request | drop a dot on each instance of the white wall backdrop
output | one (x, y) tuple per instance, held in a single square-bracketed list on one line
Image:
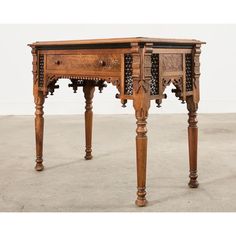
[(218, 64)]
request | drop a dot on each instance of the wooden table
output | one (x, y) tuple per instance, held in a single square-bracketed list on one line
[(140, 68)]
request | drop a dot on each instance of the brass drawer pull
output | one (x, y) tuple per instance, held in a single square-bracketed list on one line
[(102, 63), (58, 62)]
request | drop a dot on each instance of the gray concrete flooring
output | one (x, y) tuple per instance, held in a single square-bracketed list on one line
[(108, 182)]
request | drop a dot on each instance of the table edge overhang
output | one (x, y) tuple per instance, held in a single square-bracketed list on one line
[(115, 42)]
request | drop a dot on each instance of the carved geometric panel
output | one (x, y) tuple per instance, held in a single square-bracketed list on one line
[(154, 84), (41, 70), (128, 75), (188, 72), (171, 62)]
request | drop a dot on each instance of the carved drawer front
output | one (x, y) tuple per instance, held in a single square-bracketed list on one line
[(85, 64)]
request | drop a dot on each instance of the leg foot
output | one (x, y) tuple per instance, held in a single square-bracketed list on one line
[(193, 183), (141, 202), (39, 167), (141, 199), (88, 157)]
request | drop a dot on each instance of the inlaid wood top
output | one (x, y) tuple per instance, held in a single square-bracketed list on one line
[(117, 41)]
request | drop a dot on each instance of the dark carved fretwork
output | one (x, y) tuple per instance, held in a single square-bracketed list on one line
[(188, 72), (128, 74), (154, 85), (75, 83), (52, 86), (41, 70)]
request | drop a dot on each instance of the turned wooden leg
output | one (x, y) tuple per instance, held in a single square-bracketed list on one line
[(141, 75), (88, 95), (192, 142), (39, 123), (141, 155)]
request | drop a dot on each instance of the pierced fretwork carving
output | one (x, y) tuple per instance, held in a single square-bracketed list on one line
[(176, 81), (154, 85), (188, 72), (41, 70), (78, 81), (52, 86), (75, 83), (128, 74)]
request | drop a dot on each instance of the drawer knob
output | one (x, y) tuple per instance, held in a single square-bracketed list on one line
[(58, 62), (102, 63)]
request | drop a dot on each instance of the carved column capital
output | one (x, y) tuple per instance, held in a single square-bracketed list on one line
[(141, 67)]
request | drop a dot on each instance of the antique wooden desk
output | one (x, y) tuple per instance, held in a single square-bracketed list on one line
[(140, 68)]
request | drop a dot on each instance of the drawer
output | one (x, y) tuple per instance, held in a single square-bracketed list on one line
[(84, 64)]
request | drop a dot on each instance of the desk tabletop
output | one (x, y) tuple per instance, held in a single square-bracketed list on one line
[(117, 41)]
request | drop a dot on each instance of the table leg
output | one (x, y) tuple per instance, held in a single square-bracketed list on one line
[(192, 141), (39, 125), (88, 90), (141, 156)]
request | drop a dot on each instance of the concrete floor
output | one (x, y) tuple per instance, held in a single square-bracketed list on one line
[(108, 182)]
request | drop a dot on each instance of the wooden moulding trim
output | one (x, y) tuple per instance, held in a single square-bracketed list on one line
[(169, 50), (129, 97), (84, 73), (189, 93), (173, 74), (118, 41), (86, 46), (87, 51), (154, 97), (82, 76)]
